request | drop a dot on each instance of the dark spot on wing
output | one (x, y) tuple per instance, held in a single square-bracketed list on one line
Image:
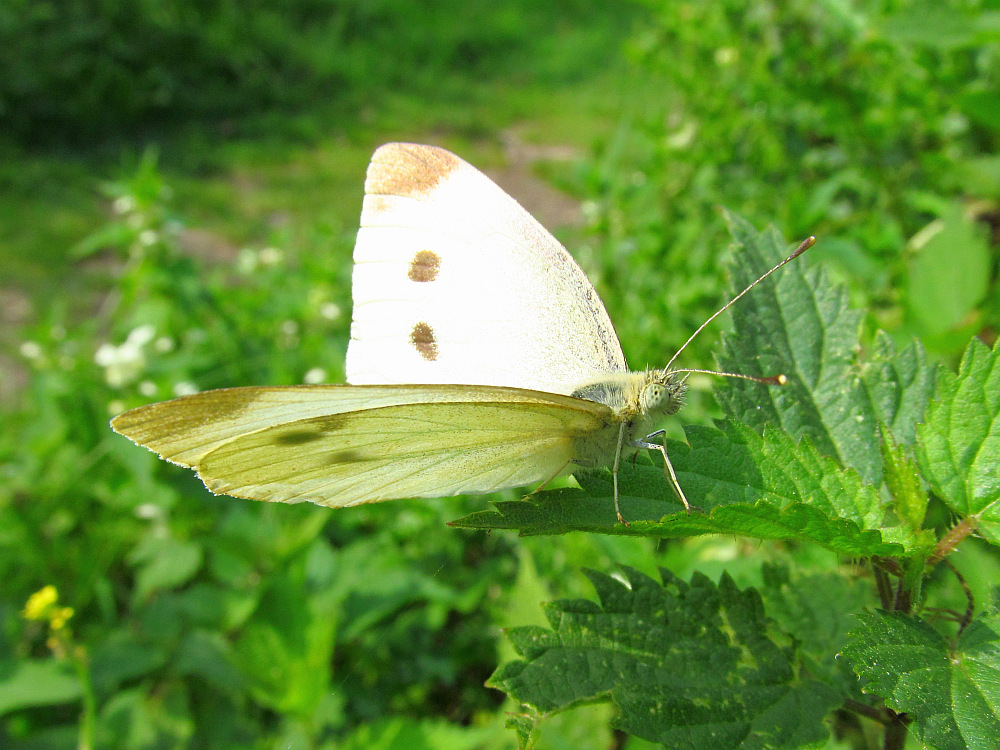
[(346, 457), (422, 338), (298, 437), (313, 430), (424, 266)]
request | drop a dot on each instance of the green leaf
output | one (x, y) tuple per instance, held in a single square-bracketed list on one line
[(286, 649), (686, 664), (121, 657), (799, 602), (30, 683), (164, 563), (900, 385), (525, 728), (902, 477), (951, 690), (950, 273), (207, 655), (801, 496), (799, 324), (959, 445)]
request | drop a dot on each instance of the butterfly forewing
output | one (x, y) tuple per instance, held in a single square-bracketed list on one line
[(454, 282)]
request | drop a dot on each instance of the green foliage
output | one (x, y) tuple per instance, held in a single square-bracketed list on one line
[(37, 683), (803, 327), (87, 69), (821, 119), (949, 275), (959, 451), (686, 664), (948, 686)]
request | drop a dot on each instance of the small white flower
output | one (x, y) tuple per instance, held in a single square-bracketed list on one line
[(289, 327), (329, 310), (123, 204), (315, 376), (105, 355), (164, 344), (116, 407), (147, 237), (147, 388), (148, 511), (184, 388), (123, 364), (31, 350), (141, 335)]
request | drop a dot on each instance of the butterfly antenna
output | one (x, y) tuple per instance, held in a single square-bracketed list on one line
[(766, 380), (807, 243)]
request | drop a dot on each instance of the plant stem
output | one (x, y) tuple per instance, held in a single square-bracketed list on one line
[(875, 714), (947, 544), (85, 738), (883, 585), (895, 733)]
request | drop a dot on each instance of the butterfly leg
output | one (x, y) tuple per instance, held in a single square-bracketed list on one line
[(650, 436), (671, 475), (614, 472)]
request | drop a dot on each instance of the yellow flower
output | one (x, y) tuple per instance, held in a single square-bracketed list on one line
[(59, 617), (40, 603)]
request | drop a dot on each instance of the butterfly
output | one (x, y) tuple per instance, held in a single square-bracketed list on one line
[(480, 359)]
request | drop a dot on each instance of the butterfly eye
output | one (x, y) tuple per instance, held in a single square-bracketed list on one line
[(652, 396)]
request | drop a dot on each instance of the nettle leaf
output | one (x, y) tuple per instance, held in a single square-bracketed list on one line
[(799, 324), (959, 444), (950, 687), (783, 477), (802, 496), (902, 478), (800, 603), (686, 664)]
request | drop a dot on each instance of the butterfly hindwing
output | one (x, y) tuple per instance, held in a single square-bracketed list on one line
[(454, 282), (344, 445)]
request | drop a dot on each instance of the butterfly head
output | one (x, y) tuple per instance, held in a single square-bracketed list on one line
[(662, 393)]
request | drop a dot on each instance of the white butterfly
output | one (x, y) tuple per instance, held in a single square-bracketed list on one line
[(481, 358)]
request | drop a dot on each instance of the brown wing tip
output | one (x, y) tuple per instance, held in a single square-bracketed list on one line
[(409, 170)]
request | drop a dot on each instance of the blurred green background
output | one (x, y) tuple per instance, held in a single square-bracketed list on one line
[(179, 189)]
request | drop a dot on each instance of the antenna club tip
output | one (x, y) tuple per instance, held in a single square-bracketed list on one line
[(807, 243), (774, 380)]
